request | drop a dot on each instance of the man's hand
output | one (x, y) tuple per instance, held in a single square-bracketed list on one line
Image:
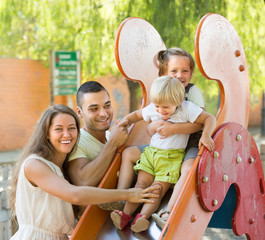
[(119, 133)]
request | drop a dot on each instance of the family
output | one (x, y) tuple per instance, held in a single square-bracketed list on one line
[(62, 164)]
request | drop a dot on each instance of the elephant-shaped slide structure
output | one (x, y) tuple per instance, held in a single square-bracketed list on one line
[(235, 161)]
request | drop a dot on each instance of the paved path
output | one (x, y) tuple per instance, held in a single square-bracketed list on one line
[(221, 234)]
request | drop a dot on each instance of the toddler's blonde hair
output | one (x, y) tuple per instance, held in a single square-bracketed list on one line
[(166, 90)]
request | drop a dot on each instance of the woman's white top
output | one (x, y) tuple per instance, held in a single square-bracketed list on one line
[(41, 215)]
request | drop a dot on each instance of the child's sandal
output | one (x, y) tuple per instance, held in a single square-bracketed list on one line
[(120, 220), (140, 224), (161, 217)]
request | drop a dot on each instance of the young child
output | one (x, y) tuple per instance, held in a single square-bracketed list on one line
[(41, 197), (161, 161), (178, 63)]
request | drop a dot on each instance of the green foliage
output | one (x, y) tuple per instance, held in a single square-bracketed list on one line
[(248, 19), (31, 28)]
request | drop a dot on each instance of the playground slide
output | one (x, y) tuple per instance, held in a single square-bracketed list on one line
[(220, 56)]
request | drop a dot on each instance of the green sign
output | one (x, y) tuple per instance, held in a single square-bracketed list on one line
[(65, 91), (65, 59), (66, 72)]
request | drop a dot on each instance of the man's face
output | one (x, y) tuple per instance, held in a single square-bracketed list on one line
[(96, 111)]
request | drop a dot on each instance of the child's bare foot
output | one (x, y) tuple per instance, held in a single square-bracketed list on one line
[(140, 223)]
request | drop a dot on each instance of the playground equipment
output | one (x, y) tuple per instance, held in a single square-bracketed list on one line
[(235, 161)]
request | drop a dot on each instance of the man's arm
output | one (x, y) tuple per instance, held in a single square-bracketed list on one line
[(85, 173)]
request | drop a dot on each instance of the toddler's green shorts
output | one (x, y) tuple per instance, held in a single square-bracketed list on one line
[(164, 165)]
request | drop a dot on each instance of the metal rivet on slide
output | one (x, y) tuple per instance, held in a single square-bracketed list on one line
[(216, 154), (204, 179)]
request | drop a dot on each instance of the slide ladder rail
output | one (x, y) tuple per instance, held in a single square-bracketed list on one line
[(220, 56)]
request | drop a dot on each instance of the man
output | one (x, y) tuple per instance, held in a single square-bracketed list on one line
[(94, 152)]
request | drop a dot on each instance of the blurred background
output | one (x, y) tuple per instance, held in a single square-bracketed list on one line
[(30, 29)]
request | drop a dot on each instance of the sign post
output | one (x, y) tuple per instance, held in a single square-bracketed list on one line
[(65, 73)]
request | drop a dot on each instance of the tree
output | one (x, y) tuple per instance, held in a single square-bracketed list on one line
[(31, 28)]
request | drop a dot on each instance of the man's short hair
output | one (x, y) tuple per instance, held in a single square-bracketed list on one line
[(88, 87)]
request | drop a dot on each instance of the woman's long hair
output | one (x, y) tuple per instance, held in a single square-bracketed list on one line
[(40, 145)]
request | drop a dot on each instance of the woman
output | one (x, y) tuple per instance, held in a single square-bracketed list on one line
[(41, 196)]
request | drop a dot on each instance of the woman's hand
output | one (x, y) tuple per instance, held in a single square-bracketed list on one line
[(142, 195)]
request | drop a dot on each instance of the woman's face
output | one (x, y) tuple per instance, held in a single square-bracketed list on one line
[(63, 134)]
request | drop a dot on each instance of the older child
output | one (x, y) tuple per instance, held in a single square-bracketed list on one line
[(41, 197), (161, 161)]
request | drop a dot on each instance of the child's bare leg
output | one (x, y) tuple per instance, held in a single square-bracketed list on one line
[(149, 208), (144, 180), (129, 157), (140, 222), (161, 217), (185, 169)]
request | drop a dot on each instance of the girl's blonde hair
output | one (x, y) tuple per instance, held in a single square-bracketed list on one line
[(167, 89), (40, 145), (164, 55)]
